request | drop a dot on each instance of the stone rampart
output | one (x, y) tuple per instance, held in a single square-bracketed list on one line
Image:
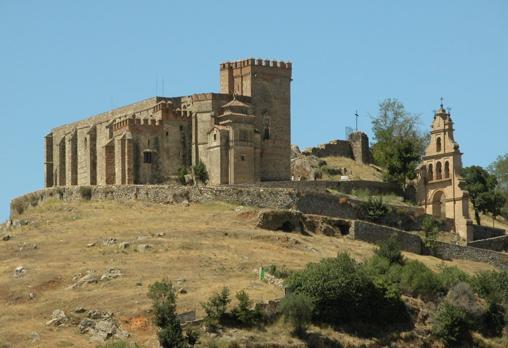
[(265, 197), (374, 187)]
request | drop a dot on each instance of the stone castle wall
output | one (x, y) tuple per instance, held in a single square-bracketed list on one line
[(356, 148)]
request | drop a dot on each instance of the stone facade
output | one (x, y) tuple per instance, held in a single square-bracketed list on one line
[(356, 148), (242, 134), (439, 183)]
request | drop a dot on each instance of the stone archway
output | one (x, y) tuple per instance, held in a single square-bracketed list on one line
[(439, 205)]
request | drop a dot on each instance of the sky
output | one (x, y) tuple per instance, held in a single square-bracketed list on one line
[(61, 61)]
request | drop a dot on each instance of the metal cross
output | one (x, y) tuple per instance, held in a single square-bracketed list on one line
[(356, 114), (442, 100)]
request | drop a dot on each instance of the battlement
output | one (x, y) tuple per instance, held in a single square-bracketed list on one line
[(256, 62)]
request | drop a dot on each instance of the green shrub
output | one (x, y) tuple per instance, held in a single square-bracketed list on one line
[(375, 209), (215, 308), (85, 192), (390, 250), (297, 310), (243, 312), (493, 321), (430, 227), (200, 172), (416, 279), (278, 272), (451, 325), (343, 292), (450, 276), (182, 172), (164, 308), (492, 285)]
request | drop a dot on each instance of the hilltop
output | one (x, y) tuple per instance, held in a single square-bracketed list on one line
[(201, 247)]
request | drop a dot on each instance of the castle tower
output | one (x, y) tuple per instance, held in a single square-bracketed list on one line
[(268, 83), (439, 181)]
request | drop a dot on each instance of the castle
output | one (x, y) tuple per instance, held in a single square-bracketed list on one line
[(241, 134)]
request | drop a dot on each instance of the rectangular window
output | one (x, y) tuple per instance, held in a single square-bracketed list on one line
[(147, 157), (215, 137), (242, 157)]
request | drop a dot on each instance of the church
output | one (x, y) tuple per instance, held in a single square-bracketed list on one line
[(439, 183)]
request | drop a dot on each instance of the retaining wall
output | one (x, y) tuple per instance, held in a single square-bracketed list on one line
[(374, 233), (450, 251), (484, 232), (496, 243)]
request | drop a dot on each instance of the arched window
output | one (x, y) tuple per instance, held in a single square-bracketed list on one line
[(439, 171), (438, 144), (430, 172), (447, 170)]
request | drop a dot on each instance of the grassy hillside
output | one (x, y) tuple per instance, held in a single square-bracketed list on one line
[(200, 247)]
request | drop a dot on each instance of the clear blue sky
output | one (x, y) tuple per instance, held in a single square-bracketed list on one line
[(63, 60)]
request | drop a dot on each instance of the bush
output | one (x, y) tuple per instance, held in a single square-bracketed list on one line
[(200, 172), (277, 272), (164, 308), (463, 297), (85, 192), (182, 172), (493, 321), (243, 312), (449, 276), (297, 309), (430, 227), (390, 250), (451, 325), (215, 308), (492, 286), (343, 292), (375, 209), (418, 280)]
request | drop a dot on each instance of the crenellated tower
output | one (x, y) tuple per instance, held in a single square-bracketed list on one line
[(268, 83)]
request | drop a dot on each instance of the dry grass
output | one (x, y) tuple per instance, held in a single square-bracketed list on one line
[(359, 171), (208, 245)]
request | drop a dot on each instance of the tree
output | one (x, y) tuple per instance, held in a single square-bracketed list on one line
[(164, 308), (482, 191), (200, 172), (215, 308), (399, 143), (499, 168), (402, 160), (297, 310)]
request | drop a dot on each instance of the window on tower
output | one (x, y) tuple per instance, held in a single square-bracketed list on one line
[(438, 144), (447, 170)]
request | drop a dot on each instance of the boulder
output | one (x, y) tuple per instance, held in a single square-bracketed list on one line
[(58, 318), (101, 326), (19, 271), (143, 247), (6, 237), (286, 220), (305, 168), (295, 151), (111, 273)]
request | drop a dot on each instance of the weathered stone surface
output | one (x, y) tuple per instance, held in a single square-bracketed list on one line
[(89, 278), (58, 318), (101, 326)]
